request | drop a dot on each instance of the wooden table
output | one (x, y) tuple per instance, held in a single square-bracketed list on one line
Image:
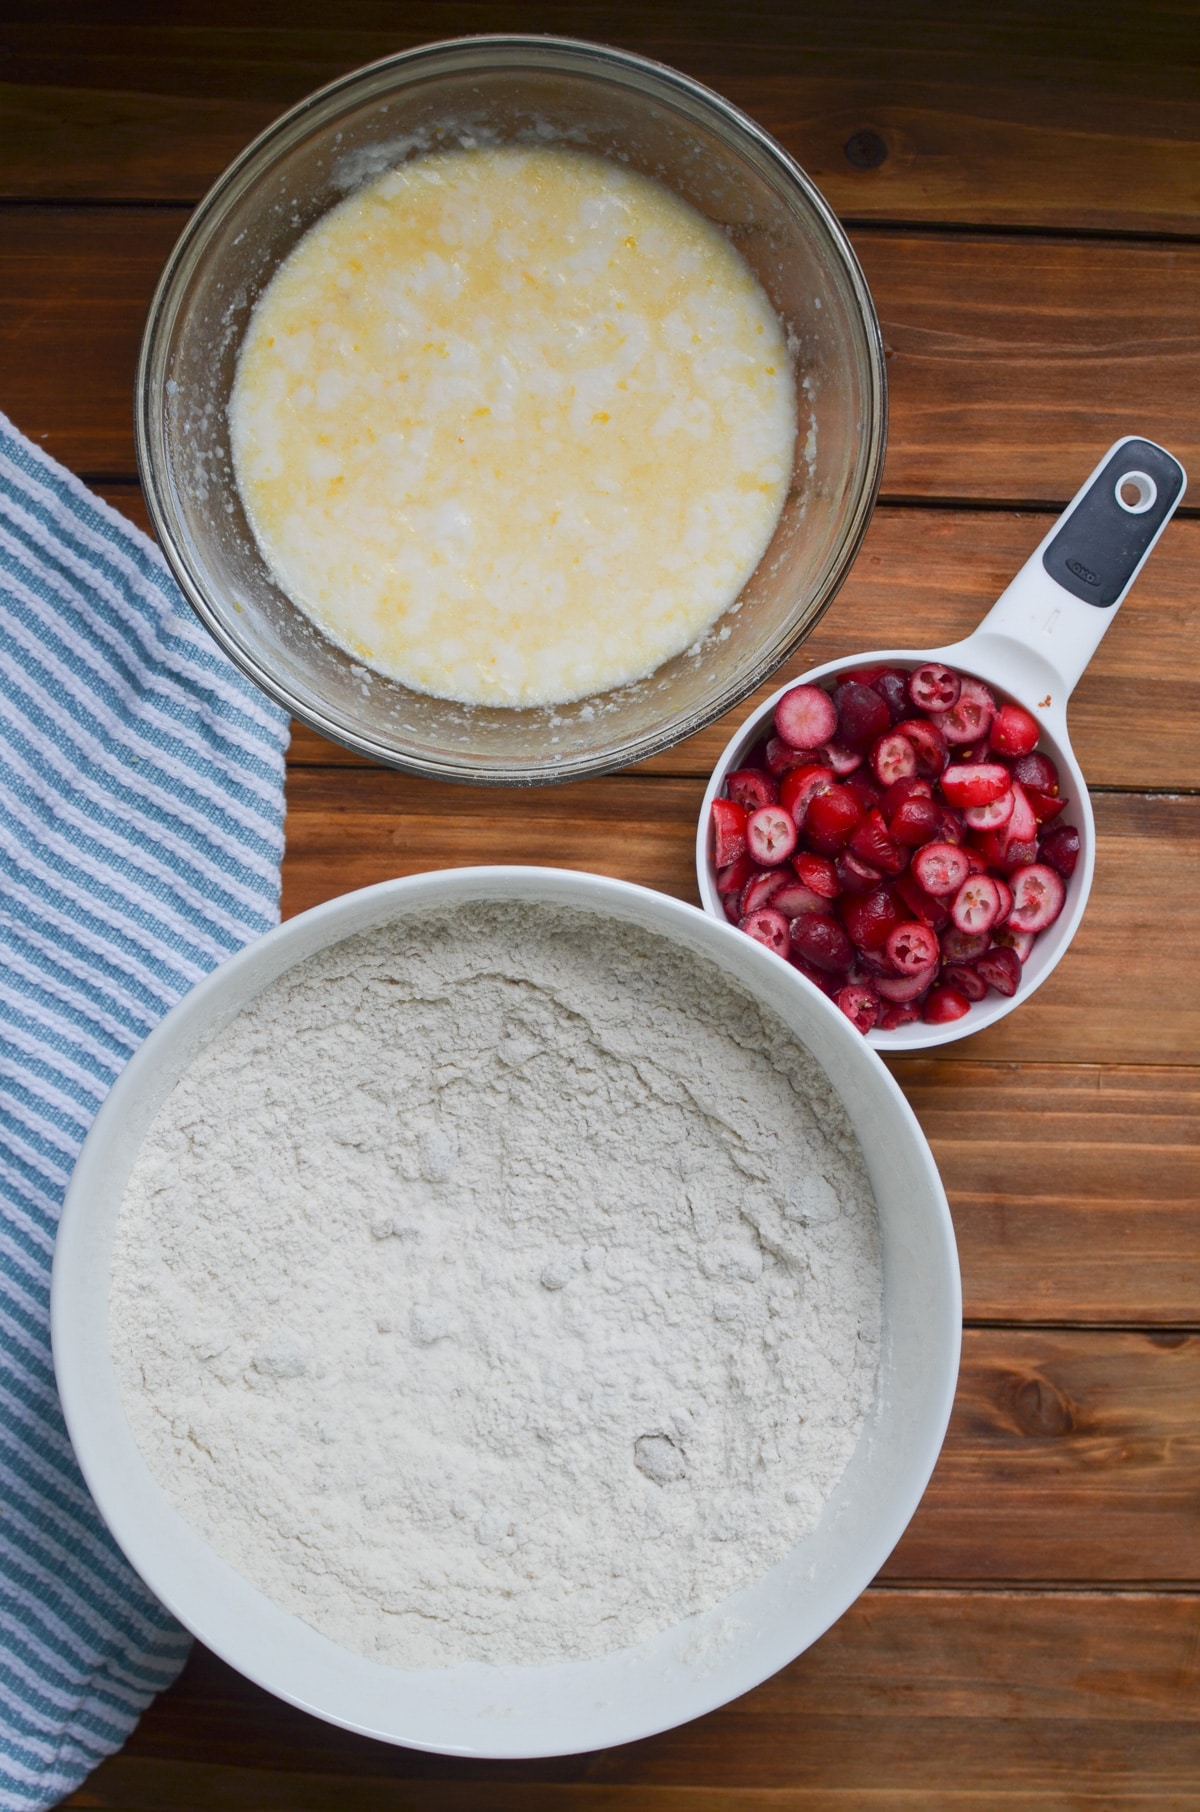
[(1022, 184)]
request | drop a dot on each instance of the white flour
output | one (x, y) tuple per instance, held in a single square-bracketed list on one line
[(499, 1286)]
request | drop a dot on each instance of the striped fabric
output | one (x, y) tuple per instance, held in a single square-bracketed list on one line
[(141, 829)]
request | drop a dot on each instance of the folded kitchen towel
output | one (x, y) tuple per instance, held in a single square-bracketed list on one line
[(141, 829)]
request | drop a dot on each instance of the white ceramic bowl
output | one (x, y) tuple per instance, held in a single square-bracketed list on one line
[(570, 1706)]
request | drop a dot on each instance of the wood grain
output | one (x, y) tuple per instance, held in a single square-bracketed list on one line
[(1075, 1189), (1083, 164), (938, 1693), (1066, 132), (927, 577), (1072, 1455), (1012, 365)]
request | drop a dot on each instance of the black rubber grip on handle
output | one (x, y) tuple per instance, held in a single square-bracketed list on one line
[(1104, 540)]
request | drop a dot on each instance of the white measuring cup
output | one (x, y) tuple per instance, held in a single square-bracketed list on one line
[(1031, 648)]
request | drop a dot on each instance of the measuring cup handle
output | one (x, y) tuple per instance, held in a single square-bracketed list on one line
[(1068, 591)]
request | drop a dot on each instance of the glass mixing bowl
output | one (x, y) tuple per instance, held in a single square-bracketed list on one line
[(508, 90)]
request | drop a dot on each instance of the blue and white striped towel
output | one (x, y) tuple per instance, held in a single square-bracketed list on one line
[(141, 829)]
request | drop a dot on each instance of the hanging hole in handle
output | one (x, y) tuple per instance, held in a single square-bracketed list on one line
[(1135, 492)]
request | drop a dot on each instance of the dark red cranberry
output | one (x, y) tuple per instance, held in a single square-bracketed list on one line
[(1060, 848), (861, 714), (831, 819), (892, 687), (870, 917), (822, 942), (1036, 770)]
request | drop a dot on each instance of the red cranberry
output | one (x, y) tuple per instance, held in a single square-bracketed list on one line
[(752, 788), (805, 717), (861, 714), (1060, 848), (822, 942)]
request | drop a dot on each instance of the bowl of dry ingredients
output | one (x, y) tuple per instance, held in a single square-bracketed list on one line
[(511, 409), (501, 1315)]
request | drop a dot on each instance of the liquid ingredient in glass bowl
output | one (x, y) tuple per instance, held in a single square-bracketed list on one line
[(513, 426), (503, 1286)]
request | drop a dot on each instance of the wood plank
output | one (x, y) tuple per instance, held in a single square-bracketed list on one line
[(1072, 1455), (1096, 127), (926, 577), (350, 827), (1075, 1190), (1025, 154), (944, 1694), (1014, 363)]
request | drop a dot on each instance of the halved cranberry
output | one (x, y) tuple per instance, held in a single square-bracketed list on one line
[(854, 875), (893, 758), (966, 979), (921, 905), (976, 904), (733, 877), (817, 873), (944, 1004), (767, 927), (951, 828), (861, 714), (870, 917), (1036, 770), (828, 984), (770, 835), (1000, 968), (1019, 852), (934, 687), (914, 822), (913, 786), (860, 1003), (864, 790), (992, 816), (912, 948), (1060, 848), (761, 889), (1043, 805), (781, 758), (875, 844), (892, 687), (1022, 825), (1038, 895), (906, 987), (805, 717), (971, 717), (842, 760), (1020, 942), (798, 787), (895, 1016), (729, 831), (928, 742), (979, 783), (1006, 899), (752, 788), (831, 818), (940, 868), (962, 946), (794, 898), (1014, 731), (821, 941)]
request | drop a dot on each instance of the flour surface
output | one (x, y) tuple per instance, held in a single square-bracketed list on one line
[(513, 425), (499, 1286)]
